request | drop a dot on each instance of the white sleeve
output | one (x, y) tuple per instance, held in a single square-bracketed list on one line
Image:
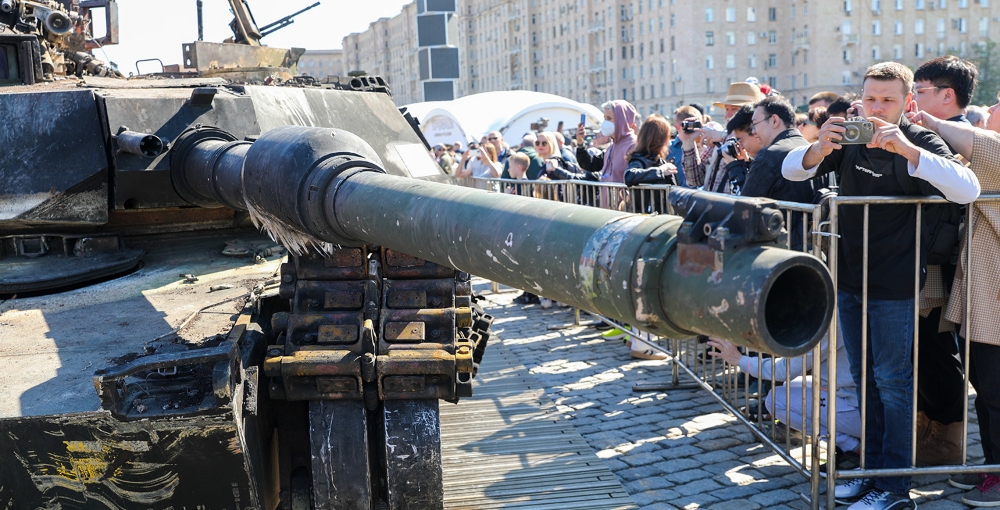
[(791, 167), (956, 182)]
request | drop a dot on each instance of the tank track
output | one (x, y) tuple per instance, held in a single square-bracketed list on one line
[(373, 339)]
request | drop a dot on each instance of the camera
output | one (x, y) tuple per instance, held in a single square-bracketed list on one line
[(732, 147), (690, 125), (858, 131)]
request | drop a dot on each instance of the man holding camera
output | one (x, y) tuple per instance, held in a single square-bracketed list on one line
[(708, 172), (882, 155)]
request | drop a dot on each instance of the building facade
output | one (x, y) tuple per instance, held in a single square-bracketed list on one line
[(659, 54), (322, 63)]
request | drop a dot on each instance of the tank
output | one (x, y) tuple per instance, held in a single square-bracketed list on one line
[(235, 295)]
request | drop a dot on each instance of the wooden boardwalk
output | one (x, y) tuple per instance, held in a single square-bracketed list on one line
[(507, 447)]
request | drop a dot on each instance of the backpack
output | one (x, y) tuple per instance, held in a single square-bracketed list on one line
[(943, 222)]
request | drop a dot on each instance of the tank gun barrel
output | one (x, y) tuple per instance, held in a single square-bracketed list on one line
[(716, 269)]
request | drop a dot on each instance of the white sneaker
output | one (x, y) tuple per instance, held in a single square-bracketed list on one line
[(639, 349), (545, 303)]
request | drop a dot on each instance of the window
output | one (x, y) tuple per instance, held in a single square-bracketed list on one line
[(984, 25), (918, 26), (899, 5), (710, 62), (805, 82), (710, 38), (941, 28), (709, 15), (752, 62), (963, 26), (899, 27), (673, 21), (751, 38), (919, 50), (772, 14), (772, 37), (772, 60), (847, 6), (942, 4), (963, 4), (772, 81), (897, 51), (730, 61), (984, 3), (730, 14), (876, 6), (877, 27), (751, 14), (731, 38), (920, 4), (709, 85), (846, 77), (875, 54)]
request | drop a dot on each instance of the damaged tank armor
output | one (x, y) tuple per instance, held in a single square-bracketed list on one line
[(201, 368)]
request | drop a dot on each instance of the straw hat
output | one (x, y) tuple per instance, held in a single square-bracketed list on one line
[(741, 93)]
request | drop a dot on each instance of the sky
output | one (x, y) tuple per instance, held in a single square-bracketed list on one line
[(157, 28)]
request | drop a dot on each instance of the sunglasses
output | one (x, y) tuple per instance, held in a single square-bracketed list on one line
[(492, 138), (543, 142)]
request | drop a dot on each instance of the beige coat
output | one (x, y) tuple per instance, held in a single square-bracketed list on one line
[(985, 270)]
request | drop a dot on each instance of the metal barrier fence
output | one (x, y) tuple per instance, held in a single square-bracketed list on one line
[(800, 441)]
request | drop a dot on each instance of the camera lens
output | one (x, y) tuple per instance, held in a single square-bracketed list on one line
[(852, 133)]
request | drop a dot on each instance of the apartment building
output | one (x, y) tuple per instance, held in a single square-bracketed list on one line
[(659, 54), (322, 63)]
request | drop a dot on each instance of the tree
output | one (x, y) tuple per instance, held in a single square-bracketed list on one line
[(988, 60)]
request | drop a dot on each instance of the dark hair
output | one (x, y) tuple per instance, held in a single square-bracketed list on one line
[(741, 119), (654, 136), (950, 72), (698, 107), (777, 105), (839, 107), (819, 115), (829, 97)]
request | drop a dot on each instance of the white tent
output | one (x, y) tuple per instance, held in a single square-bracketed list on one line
[(469, 118)]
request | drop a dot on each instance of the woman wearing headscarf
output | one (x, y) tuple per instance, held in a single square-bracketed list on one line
[(619, 128)]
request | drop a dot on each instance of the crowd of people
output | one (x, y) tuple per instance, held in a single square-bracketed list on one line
[(927, 140)]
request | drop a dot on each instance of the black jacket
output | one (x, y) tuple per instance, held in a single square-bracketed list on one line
[(765, 179), (892, 228), (644, 169)]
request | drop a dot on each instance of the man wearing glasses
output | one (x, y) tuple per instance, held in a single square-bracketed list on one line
[(503, 150), (773, 124), (943, 88)]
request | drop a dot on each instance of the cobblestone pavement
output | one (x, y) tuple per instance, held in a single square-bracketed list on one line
[(673, 449)]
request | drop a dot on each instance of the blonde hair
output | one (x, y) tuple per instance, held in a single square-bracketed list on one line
[(550, 137), (521, 159)]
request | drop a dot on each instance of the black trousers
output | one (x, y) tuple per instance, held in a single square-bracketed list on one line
[(984, 374), (941, 380)]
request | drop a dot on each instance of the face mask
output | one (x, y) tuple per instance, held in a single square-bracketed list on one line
[(607, 128)]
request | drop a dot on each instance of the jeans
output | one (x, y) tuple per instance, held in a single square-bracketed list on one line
[(889, 404)]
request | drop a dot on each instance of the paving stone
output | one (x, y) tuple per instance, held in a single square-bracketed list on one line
[(636, 473), (738, 492), (732, 504), (695, 501), (659, 506), (680, 451), (648, 484), (772, 498), (641, 459), (688, 476), (702, 486), (677, 465)]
